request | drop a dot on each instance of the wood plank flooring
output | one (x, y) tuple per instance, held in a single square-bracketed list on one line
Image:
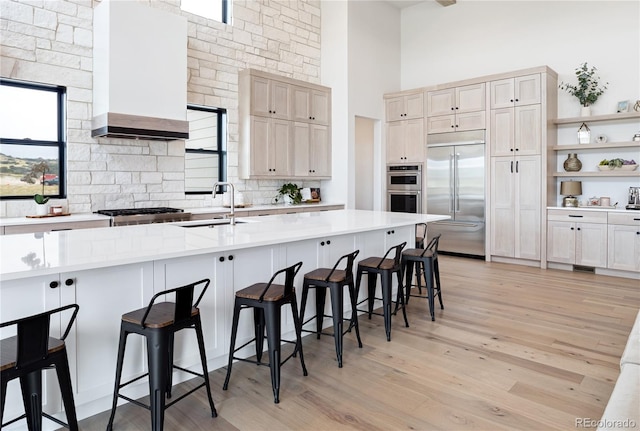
[(516, 348)]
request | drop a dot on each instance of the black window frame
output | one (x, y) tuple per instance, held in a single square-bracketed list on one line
[(221, 144), (226, 15), (61, 142)]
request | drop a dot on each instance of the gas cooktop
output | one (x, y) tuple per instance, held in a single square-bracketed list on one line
[(139, 211)]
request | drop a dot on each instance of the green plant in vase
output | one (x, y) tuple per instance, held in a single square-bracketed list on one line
[(38, 171), (291, 192), (588, 89)]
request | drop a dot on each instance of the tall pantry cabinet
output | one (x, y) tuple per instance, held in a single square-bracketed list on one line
[(519, 134)]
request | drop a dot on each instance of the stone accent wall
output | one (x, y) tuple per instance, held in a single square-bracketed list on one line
[(51, 42)]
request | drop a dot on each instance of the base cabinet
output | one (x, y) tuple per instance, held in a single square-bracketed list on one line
[(624, 242), (516, 208), (577, 237)]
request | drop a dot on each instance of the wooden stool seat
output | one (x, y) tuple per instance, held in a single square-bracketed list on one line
[(378, 263), (9, 350), (326, 274), (160, 315), (275, 293), (417, 252)]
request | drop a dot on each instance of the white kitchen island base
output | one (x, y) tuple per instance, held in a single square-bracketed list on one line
[(109, 272)]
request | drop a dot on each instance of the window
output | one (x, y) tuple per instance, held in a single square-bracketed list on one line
[(32, 140), (205, 159), (220, 10)]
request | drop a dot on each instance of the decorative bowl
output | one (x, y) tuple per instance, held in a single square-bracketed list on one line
[(617, 168)]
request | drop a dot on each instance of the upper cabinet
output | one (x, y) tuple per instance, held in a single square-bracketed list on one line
[(311, 105), (456, 109), (510, 92), (270, 98), (405, 107), (285, 127)]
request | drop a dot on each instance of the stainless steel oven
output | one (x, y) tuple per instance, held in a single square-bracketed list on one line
[(404, 188)]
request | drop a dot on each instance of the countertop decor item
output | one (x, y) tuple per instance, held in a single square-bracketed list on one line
[(618, 163), (636, 107), (570, 189), (588, 89), (623, 106), (38, 172), (584, 134), (290, 193), (636, 137), (572, 164), (601, 139)]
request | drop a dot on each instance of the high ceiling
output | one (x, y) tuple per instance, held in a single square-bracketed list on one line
[(401, 4)]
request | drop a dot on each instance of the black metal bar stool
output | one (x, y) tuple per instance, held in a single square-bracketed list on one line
[(335, 280), (158, 323), (426, 264), (386, 267), (25, 355), (266, 300)]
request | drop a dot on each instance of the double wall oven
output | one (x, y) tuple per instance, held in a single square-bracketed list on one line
[(404, 188)]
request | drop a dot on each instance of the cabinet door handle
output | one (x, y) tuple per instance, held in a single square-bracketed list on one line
[(69, 282), (511, 166), (322, 243), (575, 216), (510, 100), (571, 228), (578, 228), (221, 258), (517, 100), (517, 161), (54, 284), (328, 242), (636, 219), (230, 257)]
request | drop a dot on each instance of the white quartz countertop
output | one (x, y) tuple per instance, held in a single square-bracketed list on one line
[(28, 255), (22, 221)]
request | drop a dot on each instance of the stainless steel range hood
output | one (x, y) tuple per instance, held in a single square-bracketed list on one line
[(140, 72)]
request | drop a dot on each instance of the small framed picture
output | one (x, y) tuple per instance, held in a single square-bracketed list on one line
[(623, 106)]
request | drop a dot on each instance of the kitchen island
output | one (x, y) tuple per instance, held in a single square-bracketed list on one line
[(110, 271)]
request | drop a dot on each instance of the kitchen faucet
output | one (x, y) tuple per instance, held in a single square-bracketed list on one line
[(231, 199)]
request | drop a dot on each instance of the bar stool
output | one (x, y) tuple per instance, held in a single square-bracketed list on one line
[(426, 263), (333, 279), (384, 266), (25, 355), (266, 300), (158, 323)]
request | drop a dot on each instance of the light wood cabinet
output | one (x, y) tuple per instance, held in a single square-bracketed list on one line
[(269, 107), (270, 98), (311, 105), (405, 107), (624, 241), (312, 151), (577, 237), (456, 109), (518, 91), (271, 142), (405, 141), (516, 130), (516, 207)]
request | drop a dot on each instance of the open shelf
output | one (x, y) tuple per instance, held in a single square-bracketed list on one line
[(635, 173), (610, 145), (595, 118)]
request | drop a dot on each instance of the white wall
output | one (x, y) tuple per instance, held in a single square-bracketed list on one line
[(475, 38), (364, 162), (360, 61)]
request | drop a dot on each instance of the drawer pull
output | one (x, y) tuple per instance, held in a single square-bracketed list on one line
[(636, 219), (576, 216)]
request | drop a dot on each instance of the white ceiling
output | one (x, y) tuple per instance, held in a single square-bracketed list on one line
[(400, 4)]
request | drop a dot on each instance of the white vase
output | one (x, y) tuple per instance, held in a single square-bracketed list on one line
[(585, 111), (42, 209)]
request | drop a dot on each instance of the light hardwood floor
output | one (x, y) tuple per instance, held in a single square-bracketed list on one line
[(514, 348)]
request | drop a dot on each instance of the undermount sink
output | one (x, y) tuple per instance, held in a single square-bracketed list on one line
[(210, 223)]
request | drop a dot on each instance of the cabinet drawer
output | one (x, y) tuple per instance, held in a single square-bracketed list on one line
[(582, 216), (630, 219)]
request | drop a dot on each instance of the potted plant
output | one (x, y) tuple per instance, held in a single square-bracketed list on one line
[(290, 193), (39, 171), (588, 89)]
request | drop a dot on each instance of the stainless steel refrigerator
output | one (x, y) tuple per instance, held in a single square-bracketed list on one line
[(455, 172)]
